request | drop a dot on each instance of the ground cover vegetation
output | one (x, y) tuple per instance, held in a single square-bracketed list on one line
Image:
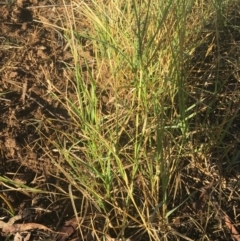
[(119, 120)]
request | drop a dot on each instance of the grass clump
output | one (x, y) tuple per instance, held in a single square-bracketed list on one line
[(141, 125)]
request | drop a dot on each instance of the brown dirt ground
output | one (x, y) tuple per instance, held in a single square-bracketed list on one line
[(31, 52)]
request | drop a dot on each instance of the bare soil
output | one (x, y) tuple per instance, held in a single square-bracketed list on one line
[(31, 54)]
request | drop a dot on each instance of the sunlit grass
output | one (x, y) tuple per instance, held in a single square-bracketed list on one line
[(132, 153), (133, 109)]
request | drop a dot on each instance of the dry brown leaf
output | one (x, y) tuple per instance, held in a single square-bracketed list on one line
[(14, 228), (67, 230), (232, 228)]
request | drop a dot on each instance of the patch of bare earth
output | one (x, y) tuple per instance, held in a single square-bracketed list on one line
[(33, 56)]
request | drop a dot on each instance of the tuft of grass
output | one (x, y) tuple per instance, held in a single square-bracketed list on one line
[(125, 160), (135, 113)]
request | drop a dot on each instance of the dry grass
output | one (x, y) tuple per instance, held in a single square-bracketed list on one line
[(154, 116)]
